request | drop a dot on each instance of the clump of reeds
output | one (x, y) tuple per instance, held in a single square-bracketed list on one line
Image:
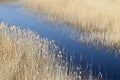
[(26, 56), (99, 18)]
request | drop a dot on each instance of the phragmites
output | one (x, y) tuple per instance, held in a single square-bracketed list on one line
[(25, 56), (99, 18), (2, 26)]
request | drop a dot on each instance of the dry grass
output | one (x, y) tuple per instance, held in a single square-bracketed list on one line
[(4, 1), (100, 18), (26, 56)]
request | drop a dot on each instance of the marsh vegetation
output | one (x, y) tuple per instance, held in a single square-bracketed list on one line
[(25, 55), (99, 19)]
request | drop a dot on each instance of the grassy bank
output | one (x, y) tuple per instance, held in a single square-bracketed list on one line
[(26, 56), (98, 18), (6, 1)]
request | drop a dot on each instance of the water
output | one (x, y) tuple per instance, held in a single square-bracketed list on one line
[(98, 59)]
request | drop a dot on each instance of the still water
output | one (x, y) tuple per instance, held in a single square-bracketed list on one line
[(98, 58)]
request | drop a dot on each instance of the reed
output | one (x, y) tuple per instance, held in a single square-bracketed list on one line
[(24, 55), (99, 18)]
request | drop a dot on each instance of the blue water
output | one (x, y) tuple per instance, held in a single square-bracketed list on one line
[(97, 58)]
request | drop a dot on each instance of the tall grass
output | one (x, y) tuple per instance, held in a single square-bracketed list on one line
[(4, 1), (99, 18), (26, 56)]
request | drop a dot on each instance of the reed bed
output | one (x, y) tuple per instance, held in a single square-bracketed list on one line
[(6, 1), (24, 55), (97, 18)]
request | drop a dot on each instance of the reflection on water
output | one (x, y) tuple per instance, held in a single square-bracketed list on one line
[(99, 59)]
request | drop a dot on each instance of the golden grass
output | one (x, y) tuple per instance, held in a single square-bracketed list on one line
[(99, 18), (26, 56), (4, 1)]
